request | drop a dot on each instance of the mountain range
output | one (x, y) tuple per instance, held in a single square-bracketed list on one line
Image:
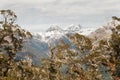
[(38, 47)]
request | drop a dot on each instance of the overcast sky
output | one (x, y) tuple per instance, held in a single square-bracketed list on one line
[(38, 15)]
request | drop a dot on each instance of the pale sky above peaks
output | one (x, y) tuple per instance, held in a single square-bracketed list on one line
[(38, 15)]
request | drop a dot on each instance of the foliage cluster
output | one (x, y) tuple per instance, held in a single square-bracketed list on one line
[(81, 61)]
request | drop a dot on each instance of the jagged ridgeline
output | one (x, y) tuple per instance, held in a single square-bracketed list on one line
[(82, 58)]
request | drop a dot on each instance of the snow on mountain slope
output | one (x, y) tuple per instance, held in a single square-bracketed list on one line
[(74, 28), (103, 32), (79, 29), (46, 36), (55, 32)]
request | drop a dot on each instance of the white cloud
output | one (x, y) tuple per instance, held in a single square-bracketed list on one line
[(62, 7), (62, 11)]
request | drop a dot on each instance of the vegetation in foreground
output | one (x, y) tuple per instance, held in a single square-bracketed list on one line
[(88, 61)]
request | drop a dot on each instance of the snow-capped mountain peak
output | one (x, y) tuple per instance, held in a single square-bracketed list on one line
[(73, 27), (54, 28)]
